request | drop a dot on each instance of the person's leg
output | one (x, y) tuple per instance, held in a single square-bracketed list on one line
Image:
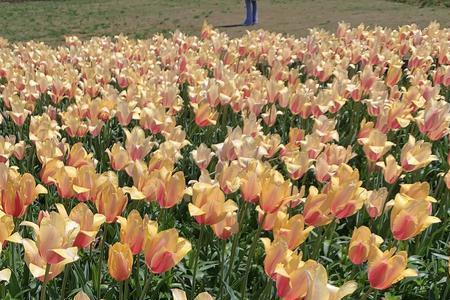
[(254, 12), (249, 14)]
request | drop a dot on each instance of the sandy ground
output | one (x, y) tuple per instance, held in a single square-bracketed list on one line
[(49, 21)]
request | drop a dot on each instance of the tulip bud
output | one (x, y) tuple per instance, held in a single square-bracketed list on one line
[(120, 261)]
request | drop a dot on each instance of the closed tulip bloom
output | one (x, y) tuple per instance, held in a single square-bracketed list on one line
[(227, 175), (250, 183), (375, 202), (375, 145), (120, 261), (361, 243), (317, 211), (345, 193), (434, 120), (132, 230), (391, 170), (387, 268), (416, 155), (410, 216), (171, 188), (208, 205), (274, 192), (88, 221), (84, 183), (78, 157), (110, 201), (81, 296), (118, 157), (292, 230), (18, 193), (163, 250), (227, 227), (271, 219), (394, 72)]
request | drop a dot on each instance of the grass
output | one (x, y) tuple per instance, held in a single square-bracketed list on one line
[(49, 21)]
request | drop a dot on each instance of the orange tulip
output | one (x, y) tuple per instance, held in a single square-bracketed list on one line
[(18, 192), (132, 230), (120, 261), (54, 245), (6, 230), (163, 250), (297, 164), (394, 72), (84, 183), (317, 210), (181, 295), (434, 120), (375, 202), (345, 193), (208, 205), (274, 192), (250, 183), (81, 296), (277, 252), (391, 170), (88, 222), (110, 201), (361, 244), (416, 155), (227, 227), (387, 268), (411, 211), (202, 156), (292, 230), (137, 145), (375, 145)]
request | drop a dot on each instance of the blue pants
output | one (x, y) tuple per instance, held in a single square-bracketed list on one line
[(252, 12)]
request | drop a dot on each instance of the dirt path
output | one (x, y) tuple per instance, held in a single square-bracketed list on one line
[(49, 21)]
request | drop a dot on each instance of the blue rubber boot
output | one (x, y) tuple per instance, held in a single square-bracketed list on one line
[(254, 12), (249, 16)]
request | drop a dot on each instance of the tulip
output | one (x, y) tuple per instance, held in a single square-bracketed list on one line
[(5, 275), (297, 164), (88, 222), (204, 114), (375, 202), (292, 230), (250, 184), (227, 227), (228, 176), (394, 73), (345, 194), (120, 261), (361, 244), (84, 183), (54, 245), (64, 178), (391, 170), (274, 192), (387, 268), (277, 252), (202, 156), (375, 145), (208, 205), (434, 120), (318, 287), (132, 230), (181, 295), (292, 278), (137, 145), (170, 188), (163, 250), (317, 210), (110, 201), (410, 216), (416, 155), (81, 296), (18, 193), (6, 230)]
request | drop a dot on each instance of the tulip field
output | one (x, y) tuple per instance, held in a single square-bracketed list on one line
[(209, 167)]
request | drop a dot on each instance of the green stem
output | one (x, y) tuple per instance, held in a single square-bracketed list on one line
[(319, 240), (121, 290), (197, 255), (64, 283), (148, 279), (44, 283), (100, 261), (125, 292), (366, 295), (251, 255), (222, 264), (137, 275), (236, 242)]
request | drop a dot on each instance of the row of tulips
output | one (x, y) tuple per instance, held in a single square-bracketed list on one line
[(252, 168)]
